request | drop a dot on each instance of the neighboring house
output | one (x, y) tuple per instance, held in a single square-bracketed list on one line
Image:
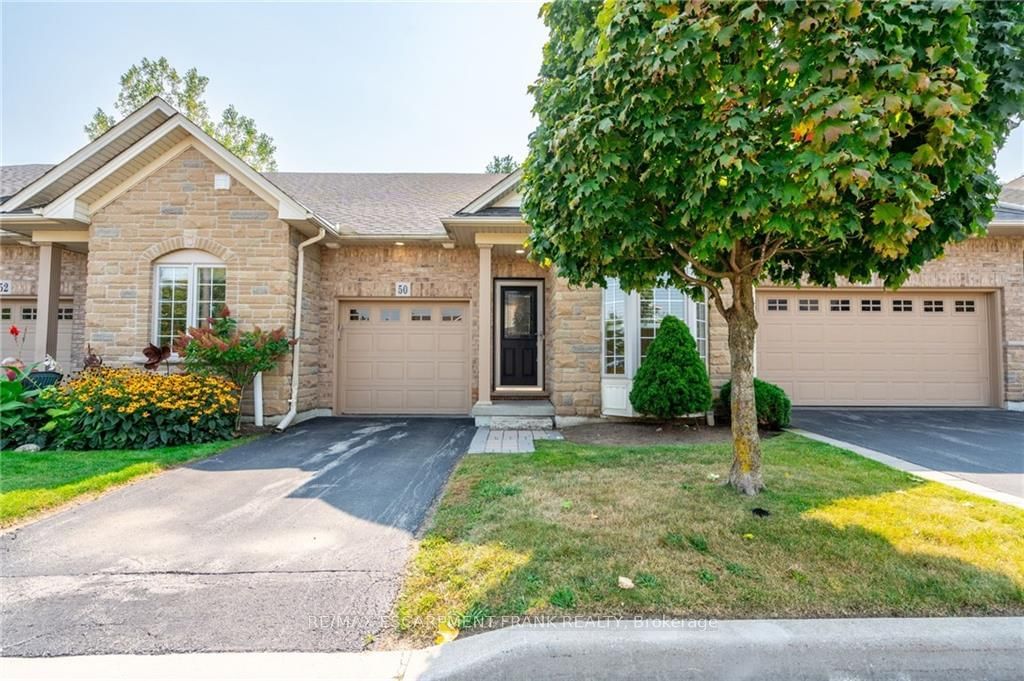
[(417, 295)]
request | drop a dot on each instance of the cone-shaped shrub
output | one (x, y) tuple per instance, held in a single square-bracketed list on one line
[(672, 380)]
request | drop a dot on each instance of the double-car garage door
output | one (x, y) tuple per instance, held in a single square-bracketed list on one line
[(874, 348), (403, 357)]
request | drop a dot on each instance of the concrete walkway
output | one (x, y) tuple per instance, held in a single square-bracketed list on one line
[(493, 441), (767, 650)]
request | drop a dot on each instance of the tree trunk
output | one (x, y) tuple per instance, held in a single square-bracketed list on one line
[(745, 475)]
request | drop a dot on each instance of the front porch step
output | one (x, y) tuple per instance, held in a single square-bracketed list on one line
[(515, 415)]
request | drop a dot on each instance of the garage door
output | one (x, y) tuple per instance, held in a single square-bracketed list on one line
[(404, 357), (22, 313), (876, 348)]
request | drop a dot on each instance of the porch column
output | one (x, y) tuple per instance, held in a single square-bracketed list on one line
[(484, 326), (47, 300)]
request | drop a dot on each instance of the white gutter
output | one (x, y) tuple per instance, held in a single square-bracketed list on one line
[(293, 409)]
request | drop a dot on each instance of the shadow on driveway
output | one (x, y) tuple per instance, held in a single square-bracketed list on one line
[(297, 541)]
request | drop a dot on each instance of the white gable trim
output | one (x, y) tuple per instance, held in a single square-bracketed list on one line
[(68, 206), (485, 200), (156, 104)]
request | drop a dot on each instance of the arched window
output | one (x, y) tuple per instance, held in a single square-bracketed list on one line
[(189, 286)]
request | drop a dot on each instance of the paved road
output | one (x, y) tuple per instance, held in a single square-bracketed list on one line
[(985, 446), (268, 546)]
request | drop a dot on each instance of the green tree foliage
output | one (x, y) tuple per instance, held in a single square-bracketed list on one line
[(186, 93), (501, 164), (724, 143), (672, 380)]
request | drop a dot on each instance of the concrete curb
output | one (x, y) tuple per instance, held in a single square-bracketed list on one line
[(913, 648), (918, 470)]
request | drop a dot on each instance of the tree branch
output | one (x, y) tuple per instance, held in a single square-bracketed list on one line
[(715, 293)]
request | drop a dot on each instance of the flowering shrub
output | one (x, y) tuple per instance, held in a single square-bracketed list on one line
[(133, 409), (220, 348)]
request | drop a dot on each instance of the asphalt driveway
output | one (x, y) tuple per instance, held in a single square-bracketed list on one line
[(297, 541), (985, 446)]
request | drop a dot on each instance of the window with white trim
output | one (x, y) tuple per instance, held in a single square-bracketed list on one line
[(630, 322), (190, 286)]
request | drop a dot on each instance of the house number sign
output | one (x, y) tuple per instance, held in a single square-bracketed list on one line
[(403, 288), (5, 287)]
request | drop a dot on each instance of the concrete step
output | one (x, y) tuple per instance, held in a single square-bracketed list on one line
[(515, 415)]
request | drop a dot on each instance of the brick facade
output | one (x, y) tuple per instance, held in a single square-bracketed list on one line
[(995, 263), (20, 265)]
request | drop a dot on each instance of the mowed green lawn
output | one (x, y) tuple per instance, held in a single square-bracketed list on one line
[(32, 482), (552, 532)]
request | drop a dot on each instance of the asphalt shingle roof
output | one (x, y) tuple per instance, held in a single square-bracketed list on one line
[(384, 204), (13, 178)]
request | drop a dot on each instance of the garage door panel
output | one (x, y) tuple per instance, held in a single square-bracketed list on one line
[(864, 356), (394, 360)]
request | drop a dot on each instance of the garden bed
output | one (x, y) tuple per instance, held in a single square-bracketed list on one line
[(552, 532)]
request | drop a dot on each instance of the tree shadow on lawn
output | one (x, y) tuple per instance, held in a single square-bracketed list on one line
[(550, 534)]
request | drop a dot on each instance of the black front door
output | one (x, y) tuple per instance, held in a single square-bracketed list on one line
[(518, 344)]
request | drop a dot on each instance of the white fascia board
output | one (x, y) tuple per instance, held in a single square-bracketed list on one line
[(63, 207), (501, 188), (156, 104)]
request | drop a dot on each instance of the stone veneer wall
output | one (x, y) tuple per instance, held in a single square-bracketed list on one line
[(20, 265), (989, 262), (576, 348), (175, 208)]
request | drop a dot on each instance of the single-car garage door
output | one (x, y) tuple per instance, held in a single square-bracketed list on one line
[(874, 348), (403, 357)]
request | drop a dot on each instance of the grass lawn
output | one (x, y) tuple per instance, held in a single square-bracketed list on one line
[(31, 482), (551, 533)]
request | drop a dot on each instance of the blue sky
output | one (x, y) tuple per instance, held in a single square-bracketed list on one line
[(340, 87)]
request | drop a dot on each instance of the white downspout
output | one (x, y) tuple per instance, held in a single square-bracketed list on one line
[(257, 400), (299, 279)]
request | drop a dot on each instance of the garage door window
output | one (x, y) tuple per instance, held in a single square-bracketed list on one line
[(5, 314), (964, 306), (933, 306), (451, 314), (191, 286), (902, 306), (870, 305), (839, 305), (28, 313), (420, 314), (808, 305), (390, 314), (778, 304)]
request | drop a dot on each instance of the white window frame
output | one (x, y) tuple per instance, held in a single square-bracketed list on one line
[(615, 388), (194, 260)]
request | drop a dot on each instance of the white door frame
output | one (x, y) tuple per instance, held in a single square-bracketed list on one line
[(496, 335)]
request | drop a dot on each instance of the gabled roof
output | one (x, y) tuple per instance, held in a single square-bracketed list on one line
[(127, 153), (94, 155), (502, 187), (386, 204)]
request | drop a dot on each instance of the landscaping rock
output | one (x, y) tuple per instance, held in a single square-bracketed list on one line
[(626, 583), (27, 448)]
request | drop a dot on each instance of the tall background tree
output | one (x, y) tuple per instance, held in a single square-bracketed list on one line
[(502, 164), (725, 143), (186, 93)]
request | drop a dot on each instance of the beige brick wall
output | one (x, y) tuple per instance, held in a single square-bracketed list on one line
[(20, 265), (991, 262), (177, 208)]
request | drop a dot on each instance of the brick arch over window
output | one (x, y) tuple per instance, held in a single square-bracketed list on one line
[(192, 243)]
